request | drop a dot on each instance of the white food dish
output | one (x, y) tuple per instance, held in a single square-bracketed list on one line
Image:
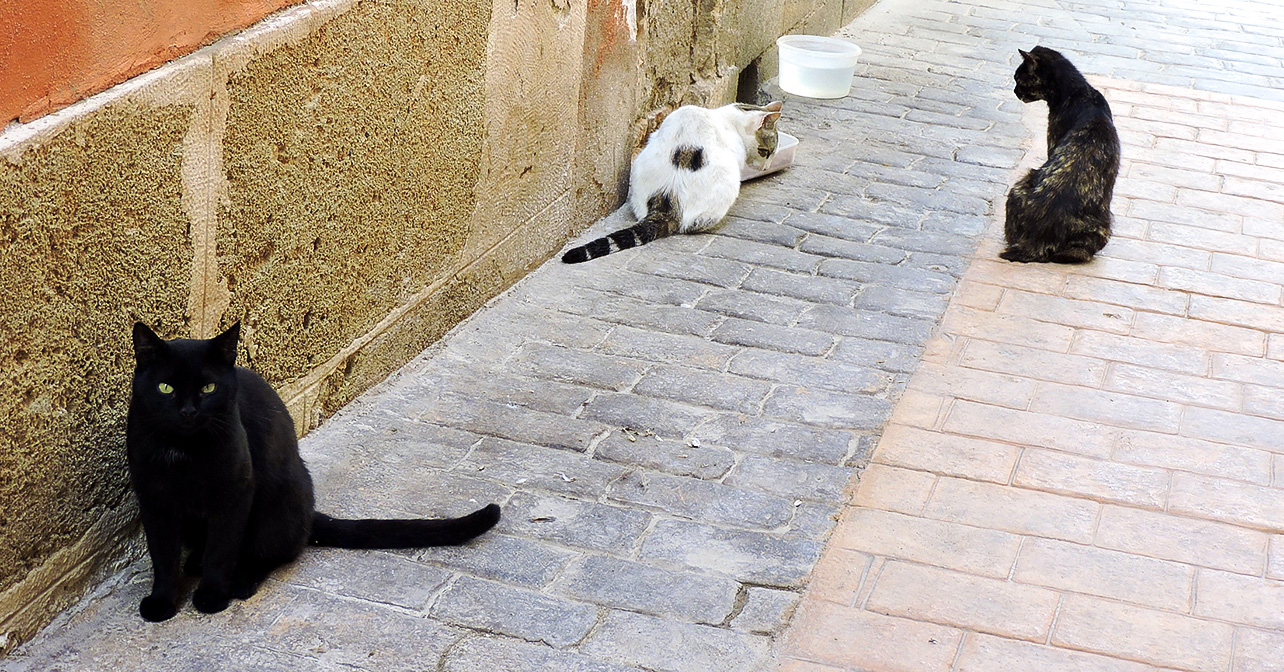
[(816, 67), (785, 146)]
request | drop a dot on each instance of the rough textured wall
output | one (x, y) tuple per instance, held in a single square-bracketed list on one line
[(91, 236), (351, 163)]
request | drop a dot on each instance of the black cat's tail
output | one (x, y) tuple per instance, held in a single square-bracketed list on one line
[(412, 533), (661, 220)]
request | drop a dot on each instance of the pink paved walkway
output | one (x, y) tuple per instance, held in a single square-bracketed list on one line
[(1086, 470)]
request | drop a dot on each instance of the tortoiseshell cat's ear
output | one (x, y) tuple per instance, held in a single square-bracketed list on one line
[(1026, 56), (225, 344), (147, 345)]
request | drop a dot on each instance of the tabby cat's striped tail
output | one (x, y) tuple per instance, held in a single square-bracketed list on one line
[(661, 220)]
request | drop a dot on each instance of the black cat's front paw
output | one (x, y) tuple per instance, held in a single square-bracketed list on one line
[(156, 609), (209, 601), (244, 590)]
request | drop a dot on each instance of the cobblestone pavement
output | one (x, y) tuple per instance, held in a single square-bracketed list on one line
[(672, 429)]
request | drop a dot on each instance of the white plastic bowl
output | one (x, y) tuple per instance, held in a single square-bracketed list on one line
[(815, 66), (785, 146)]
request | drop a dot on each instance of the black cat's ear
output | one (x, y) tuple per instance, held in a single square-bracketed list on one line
[(225, 344), (147, 345), (1026, 56)]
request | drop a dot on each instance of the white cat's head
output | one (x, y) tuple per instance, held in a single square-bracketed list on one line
[(757, 128)]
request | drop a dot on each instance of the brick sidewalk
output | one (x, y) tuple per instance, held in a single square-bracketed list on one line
[(1082, 474), (672, 429)]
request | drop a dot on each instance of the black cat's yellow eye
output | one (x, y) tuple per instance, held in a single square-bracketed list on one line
[(165, 388), (207, 389)]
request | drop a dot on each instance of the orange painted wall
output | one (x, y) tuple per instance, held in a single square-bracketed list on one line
[(55, 52)]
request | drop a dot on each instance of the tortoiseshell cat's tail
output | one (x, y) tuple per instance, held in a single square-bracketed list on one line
[(661, 220), (411, 533)]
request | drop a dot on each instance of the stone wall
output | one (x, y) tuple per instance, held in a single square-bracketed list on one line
[(349, 179)]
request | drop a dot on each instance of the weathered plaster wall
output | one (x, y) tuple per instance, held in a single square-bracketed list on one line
[(349, 178), (92, 234), (55, 52)]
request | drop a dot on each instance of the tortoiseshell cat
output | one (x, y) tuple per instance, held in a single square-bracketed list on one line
[(687, 176), (1061, 212), (216, 467)]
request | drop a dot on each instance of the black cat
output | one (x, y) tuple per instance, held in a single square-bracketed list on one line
[(1061, 212), (216, 467)]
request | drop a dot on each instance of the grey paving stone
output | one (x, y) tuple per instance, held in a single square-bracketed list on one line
[(925, 241), (790, 478), (835, 226), (756, 557), (752, 306), (649, 288), (772, 337), (702, 500), (866, 324), (665, 418), (758, 210), (578, 366), (761, 254), (825, 246), (497, 654), (782, 235), (814, 520), (775, 438), (514, 560), (512, 422), (620, 309), (905, 276), (885, 355), (826, 408), (368, 575), (404, 443), (938, 263), (573, 522), (806, 287), (527, 466), (508, 389), (379, 489), (495, 607), (346, 632), (766, 611), (997, 157), (809, 371), (677, 457), (672, 348), (929, 199), (700, 387), (658, 644), (624, 584), (710, 271), (873, 211), (900, 301)]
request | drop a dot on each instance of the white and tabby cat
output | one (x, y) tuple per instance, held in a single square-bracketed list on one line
[(688, 175)]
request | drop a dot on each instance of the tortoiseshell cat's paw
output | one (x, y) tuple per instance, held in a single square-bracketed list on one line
[(1017, 254), (156, 609), (209, 601)]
